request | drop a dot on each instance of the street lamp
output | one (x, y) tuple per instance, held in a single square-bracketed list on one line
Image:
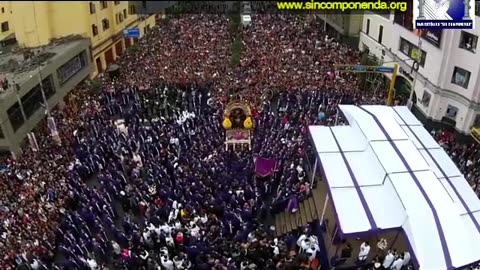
[(50, 120), (419, 59)]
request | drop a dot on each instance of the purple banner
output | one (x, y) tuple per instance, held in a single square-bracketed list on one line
[(265, 166)]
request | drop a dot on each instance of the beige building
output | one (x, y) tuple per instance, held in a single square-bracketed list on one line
[(36, 23)]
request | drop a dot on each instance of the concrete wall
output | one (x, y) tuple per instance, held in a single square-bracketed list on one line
[(13, 139)]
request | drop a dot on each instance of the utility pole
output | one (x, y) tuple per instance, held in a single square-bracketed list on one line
[(50, 120), (418, 58)]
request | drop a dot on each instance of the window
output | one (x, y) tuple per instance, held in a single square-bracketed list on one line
[(116, 2), (367, 31), (5, 27), (461, 77), (132, 9), (105, 24), (94, 30), (146, 29), (72, 67), (380, 34), (405, 19), (144, 5), (104, 4), (477, 8), (119, 18), (468, 41), (3, 10), (433, 36), (412, 51), (92, 8), (426, 98), (32, 101), (1, 133), (125, 13), (48, 87), (451, 112), (15, 116)]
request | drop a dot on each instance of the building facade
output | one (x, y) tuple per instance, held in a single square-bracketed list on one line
[(6, 27), (343, 26), (447, 84), (103, 22), (64, 65)]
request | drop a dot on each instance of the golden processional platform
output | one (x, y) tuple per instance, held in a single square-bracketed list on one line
[(238, 123)]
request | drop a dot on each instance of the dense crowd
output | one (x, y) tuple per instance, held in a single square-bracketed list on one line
[(141, 178), (465, 156)]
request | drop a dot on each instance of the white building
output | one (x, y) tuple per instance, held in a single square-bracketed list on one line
[(447, 88)]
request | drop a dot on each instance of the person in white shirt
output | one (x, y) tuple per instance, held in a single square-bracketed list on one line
[(303, 242), (388, 261), (364, 251), (167, 263), (406, 258), (195, 231), (35, 265), (147, 238), (116, 248), (397, 264), (274, 246), (165, 228), (178, 263), (92, 264), (311, 252), (169, 240)]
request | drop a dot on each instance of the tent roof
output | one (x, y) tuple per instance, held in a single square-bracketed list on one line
[(385, 171)]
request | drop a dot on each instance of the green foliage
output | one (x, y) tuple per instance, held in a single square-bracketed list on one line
[(235, 22), (237, 48), (237, 45), (96, 86), (176, 10), (134, 48)]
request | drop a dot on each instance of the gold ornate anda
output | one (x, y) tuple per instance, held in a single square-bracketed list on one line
[(237, 105), (237, 114)]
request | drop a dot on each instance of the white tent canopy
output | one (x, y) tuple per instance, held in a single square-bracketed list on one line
[(385, 171)]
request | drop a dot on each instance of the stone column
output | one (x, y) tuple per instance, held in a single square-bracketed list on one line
[(421, 15), (466, 16)]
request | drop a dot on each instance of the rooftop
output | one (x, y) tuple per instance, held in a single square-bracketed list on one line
[(385, 171), (19, 64)]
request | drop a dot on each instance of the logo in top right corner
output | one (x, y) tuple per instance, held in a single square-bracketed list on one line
[(444, 14)]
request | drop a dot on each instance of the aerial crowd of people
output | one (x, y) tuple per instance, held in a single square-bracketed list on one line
[(140, 178)]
